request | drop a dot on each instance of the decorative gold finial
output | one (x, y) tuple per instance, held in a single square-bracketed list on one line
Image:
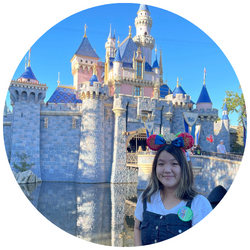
[(155, 49), (85, 28), (177, 82), (58, 81), (29, 57), (130, 35), (118, 41)]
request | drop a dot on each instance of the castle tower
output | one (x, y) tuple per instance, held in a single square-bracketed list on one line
[(161, 67), (110, 44), (91, 164), (117, 64), (26, 96), (225, 126), (83, 61), (180, 101), (143, 24), (204, 101), (207, 117)]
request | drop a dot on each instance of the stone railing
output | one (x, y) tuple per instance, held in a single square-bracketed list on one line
[(132, 159), (233, 157)]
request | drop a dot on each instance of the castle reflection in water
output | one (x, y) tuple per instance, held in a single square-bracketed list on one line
[(99, 213)]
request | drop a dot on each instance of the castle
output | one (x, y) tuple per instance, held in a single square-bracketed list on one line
[(83, 133)]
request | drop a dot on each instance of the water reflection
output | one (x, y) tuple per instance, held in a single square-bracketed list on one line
[(99, 213)]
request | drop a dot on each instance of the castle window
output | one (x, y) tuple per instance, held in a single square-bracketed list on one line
[(145, 33), (137, 91), (139, 69)]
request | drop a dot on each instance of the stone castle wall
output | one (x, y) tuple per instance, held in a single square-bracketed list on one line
[(59, 147), (25, 136), (214, 172), (51, 134), (7, 132)]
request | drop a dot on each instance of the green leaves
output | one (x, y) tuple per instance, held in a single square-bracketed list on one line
[(236, 103)]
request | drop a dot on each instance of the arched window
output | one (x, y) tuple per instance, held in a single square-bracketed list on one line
[(32, 96), (24, 96), (40, 96)]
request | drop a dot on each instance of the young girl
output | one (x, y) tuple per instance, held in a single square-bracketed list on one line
[(169, 205)]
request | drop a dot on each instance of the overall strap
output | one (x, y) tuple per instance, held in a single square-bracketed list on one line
[(189, 203), (144, 204)]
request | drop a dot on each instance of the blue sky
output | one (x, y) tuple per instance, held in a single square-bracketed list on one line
[(186, 50)]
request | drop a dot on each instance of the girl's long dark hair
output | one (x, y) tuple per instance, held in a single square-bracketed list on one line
[(185, 189)]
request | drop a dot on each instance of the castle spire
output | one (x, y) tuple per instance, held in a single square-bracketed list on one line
[(25, 62), (161, 67), (205, 74), (130, 34), (58, 81), (155, 64), (29, 57), (85, 29), (110, 32), (225, 112)]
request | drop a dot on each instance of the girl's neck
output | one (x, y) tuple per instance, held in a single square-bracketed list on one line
[(169, 199), (167, 193)]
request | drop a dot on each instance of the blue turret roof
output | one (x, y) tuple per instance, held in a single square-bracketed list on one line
[(118, 56), (225, 107), (204, 96), (155, 64), (127, 49), (143, 7), (64, 95), (179, 90), (85, 49), (148, 67), (225, 113), (164, 89), (93, 79), (28, 74)]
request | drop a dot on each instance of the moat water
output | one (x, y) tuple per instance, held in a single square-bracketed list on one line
[(99, 213)]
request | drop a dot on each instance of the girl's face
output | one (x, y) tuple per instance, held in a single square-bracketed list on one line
[(168, 170)]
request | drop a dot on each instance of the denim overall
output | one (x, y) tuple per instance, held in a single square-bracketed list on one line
[(156, 227)]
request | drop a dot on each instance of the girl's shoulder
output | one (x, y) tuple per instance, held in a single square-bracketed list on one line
[(154, 197), (200, 202)]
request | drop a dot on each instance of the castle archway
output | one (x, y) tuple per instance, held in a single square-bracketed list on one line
[(136, 142)]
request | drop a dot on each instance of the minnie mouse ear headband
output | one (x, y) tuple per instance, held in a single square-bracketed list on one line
[(182, 140)]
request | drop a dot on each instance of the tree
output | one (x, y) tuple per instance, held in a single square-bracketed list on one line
[(23, 161), (236, 103)]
